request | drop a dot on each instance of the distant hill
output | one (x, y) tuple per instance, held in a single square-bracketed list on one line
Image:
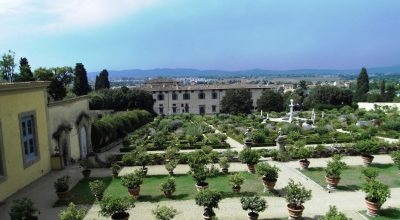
[(182, 72)]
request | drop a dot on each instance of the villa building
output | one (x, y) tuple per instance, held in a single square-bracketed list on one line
[(34, 133), (172, 98)]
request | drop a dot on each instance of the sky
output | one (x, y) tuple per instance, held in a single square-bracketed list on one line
[(202, 34)]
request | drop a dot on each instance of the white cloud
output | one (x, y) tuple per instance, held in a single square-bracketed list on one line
[(59, 15)]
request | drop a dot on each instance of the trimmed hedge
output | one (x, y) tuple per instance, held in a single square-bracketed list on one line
[(111, 127)]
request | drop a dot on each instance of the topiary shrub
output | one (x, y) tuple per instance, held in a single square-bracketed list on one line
[(335, 166), (209, 199), (249, 156), (255, 204), (333, 214), (73, 213), (296, 195), (164, 212), (116, 206)]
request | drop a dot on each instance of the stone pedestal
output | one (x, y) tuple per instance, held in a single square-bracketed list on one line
[(280, 143)]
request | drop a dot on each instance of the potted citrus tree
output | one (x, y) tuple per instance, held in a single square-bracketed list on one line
[(269, 175), (143, 158), (200, 174), (250, 157), (333, 214), (73, 213), (97, 188), (236, 180), (85, 164), (333, 171), (170, 166), (168, 187), (23, 209), (396, 158), (254, 204), (62, 187), (376, 194), (115, 168), (133, 181), (209, 199), (116, 207), (164, 212), (303, 153), (366, 148), (224, 164), (296, 195)]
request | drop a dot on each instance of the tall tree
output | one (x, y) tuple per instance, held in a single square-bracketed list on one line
[(102, 81), (237, 101), (25, 72), (7, 65), (59, 78), (81, 84), (270, 101), (382, 88), (390, 94), (362, 86)]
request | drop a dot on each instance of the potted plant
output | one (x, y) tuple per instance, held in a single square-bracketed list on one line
[(168, 187), (366, 148), (143, 158), (115, 168), (97, 188), (170, 166), (334, 214), (200, 174), (133, 181), (164, 212), (62, 186), (303, 153), (224, 164), (171, 153), (23, 209), (396, 158), (73, 213), (209, 199), (255, 204), (296, 195), (236, 180), (333, 171), (116, 207), (250, 157), (376, 194), (85, 164), (269, 175)]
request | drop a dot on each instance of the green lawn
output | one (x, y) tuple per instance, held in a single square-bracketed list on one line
[(150, 189), (352, 178), (385, 214)]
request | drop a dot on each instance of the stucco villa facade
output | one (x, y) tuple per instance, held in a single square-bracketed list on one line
[(172, 98), (31, 130)]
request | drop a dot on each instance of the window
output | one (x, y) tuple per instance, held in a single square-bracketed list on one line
[(186, 96), (214, 95), (174, 96), (161, 110), (186, 108), (160, 97), (202, 95), (28, 138), (173, 109), (2, 164), (214, 108)]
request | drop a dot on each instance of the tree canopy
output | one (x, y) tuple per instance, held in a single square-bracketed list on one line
[(7, 65), (59, 78), (81, 84), (25, 72), (237, 101), (362, 86), (328, 97), (102, 81), (270, 101)]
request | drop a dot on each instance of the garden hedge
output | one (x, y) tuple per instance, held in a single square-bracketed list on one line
[(117, 125)]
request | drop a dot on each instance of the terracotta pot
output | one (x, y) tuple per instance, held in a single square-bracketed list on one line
[(202, 186), (304, 164), (171, 173), (99, 197), (206, 217), (251, 168), (332, 182), (145, 171), (63, 195), (168, 194), (252, 215), (236, 189), (269, 184), (115, 174), (120, 216), (367, 159), (86, 173), (295, 213), (225, 170), (373, 208), (135, 191)]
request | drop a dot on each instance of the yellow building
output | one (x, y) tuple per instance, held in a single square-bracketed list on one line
[(24, 135)]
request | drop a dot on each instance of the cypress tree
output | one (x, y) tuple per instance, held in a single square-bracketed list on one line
[(362, 86), (382, 88), (102, 81), (25, 72), (81, 84)]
